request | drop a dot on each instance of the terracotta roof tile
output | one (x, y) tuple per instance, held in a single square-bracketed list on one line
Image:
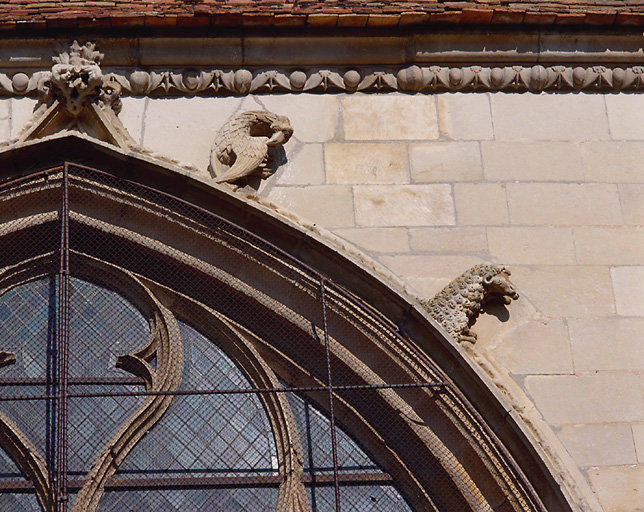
[(324, 13)]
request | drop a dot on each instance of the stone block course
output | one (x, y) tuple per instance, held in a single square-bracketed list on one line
[(632, 204), (531, 245), (304, 166), (366, 163), (613, 161), (448, 240), (628, 283), (599, 398), (314, 117), (563, 204), (465, 116), (536, 347), (532, 161), (326, 205), (403, 205), (379, 240), (619, 488), (607, 344), (638, 436), (610, 246), (623, 116), (533, 117), (599, 444), (444, 162), (389, 117), (184, 128), (566, 291), (480, 204)]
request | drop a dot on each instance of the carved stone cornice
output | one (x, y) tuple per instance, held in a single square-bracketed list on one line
[(422, 79)]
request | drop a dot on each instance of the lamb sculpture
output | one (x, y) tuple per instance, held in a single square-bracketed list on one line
[(458, 305)]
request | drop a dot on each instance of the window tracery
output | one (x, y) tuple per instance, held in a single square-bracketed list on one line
[(191, 274)]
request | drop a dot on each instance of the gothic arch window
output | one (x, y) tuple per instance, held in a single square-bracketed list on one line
[(157, 355)]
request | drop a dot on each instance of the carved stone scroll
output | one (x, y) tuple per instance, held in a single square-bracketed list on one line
[(458, 305)]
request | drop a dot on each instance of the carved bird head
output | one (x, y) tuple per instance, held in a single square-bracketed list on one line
[(282, 131)]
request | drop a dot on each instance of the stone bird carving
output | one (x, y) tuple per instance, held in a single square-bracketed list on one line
[(241, 146)]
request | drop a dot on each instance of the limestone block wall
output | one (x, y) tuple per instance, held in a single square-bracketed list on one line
[(551, 185)]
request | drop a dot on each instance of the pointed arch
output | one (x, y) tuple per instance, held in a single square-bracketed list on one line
[(278, 297)]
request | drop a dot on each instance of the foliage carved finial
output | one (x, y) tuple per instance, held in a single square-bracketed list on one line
[(457, 306)]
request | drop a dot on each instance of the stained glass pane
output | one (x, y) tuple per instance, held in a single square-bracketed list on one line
[(358, 498), (12, 502), (205, 435), (211, 500)]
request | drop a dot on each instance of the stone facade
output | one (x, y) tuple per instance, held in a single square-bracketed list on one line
[(429, 185)]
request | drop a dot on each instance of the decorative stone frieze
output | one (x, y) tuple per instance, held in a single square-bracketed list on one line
[(427, 79), (457, 306), (241, 147)]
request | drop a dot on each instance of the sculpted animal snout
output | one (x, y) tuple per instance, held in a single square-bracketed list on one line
[(500, 284)]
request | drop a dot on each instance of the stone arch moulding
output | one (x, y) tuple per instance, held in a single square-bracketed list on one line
[(455, 440)]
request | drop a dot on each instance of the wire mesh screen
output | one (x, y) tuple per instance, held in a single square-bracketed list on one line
[(154, 356)]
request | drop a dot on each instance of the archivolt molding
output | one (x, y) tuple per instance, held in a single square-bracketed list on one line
[(416, 78)]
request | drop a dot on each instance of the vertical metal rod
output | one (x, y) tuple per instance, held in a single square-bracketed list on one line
[(334, 450), (63, 345)]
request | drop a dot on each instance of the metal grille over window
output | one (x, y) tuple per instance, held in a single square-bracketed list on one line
[(156, 356)]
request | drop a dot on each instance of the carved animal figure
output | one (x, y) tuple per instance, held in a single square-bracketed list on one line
[(457, 306), (241, 146)]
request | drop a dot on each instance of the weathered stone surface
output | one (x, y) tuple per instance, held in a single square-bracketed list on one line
[(610, 246), (448, 239), (632, 204), (465, 116), (377, 239), (561, 291), (563, 204), (403, 205), (304, 165), (5, 108), (132, 116), (184, 128), (549, 116), (599, 444), (620, 488), (638, 437), (22, 110), (532, 161), (314, 117), (598, 398), (326, 205), (536, 347), (366, 163), (480, 204), (613, 162), (623, 118), (444, 162), (529, 246), (390, 117), (431, 267), (607, 343), (628, 283)]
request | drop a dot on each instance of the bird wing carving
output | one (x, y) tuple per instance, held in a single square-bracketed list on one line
[(241, 145)]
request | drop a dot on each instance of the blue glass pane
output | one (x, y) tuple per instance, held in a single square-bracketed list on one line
[(208, 434), (358, 498), (212, 500), (315, 435), (10, 502)]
